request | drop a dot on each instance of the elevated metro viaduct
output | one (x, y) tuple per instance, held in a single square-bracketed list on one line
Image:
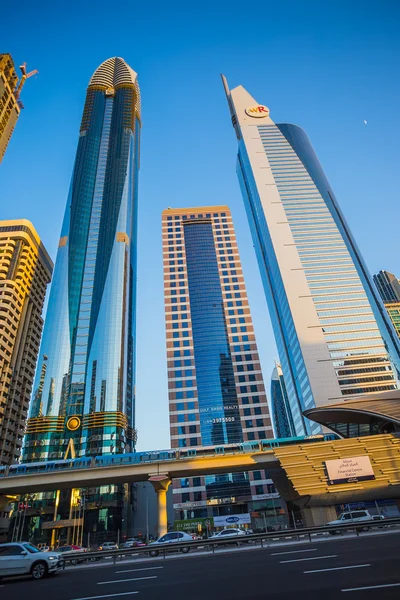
[(298, 472)]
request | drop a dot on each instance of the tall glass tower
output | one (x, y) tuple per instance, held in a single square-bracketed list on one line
[(280, 407), (216, 388), (85, 382), (334, 340)]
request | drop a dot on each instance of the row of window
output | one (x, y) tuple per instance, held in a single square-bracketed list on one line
[(199, 216)]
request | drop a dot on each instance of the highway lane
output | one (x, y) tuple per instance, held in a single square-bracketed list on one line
[(364, 568)]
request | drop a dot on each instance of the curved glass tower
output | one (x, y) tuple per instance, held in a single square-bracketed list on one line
[(280, 407), (333, 337), (85, 381)]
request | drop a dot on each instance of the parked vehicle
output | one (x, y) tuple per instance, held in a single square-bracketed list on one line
[(68, 551), (350, 517), (108, 546), (133, 543), (170, 538), (24, 559), (228, 534)]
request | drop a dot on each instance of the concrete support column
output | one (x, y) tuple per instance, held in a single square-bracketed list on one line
[(313, 516), (161, 484), (6, 500)]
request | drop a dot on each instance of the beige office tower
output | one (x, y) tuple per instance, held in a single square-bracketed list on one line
[(10, 103), (334, 340), (25, 271), (216, 390)]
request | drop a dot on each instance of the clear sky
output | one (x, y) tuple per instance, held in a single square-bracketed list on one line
[(326, 66)]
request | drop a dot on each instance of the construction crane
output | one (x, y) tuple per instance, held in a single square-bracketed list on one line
[(24, 77)]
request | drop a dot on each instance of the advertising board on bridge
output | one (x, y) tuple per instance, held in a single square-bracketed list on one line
[(349, 470)]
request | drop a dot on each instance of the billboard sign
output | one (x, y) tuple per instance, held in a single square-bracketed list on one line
[(229, 520), (61, 523), (190, 524), (349, 470)]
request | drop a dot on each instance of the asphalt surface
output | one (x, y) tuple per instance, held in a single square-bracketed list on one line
[(363, 568)]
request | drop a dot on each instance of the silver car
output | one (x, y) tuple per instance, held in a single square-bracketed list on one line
[(170, 538), (24, 559)]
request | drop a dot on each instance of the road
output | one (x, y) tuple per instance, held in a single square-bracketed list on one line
[(364, 568)]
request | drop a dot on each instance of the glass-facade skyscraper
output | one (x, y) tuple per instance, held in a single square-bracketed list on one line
[(389, 289), (85, 381), (388, 286), (333, 337), (216, 389), (280, 406)]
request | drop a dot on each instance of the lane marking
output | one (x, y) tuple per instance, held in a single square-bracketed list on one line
[(134, 570), (107, 596), (123, 580), (294, 551), (371, 587), (337, 569), (313, 558)]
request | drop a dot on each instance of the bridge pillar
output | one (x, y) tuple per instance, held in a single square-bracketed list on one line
[(161, 484), (313, 516), (5, 501)]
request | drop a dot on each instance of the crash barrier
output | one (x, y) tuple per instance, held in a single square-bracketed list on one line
[(212, 543)]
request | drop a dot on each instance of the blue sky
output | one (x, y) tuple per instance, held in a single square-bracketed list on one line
[(326, 66)]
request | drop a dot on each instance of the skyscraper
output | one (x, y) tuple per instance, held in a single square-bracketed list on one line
[(84, 392), (25, 271), (388, 286), (280, 407), (10, 104), (389, 289), (216, 388), (333, 338)]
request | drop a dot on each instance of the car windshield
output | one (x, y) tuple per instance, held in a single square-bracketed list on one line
[(32, 549)]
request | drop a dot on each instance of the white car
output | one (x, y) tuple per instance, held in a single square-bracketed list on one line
[(108, 546), (350, 517), (170, 538), (228, 533), (24, 559)]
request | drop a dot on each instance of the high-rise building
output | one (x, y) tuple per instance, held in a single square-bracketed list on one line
[(25, 271), (388, 286), (84, 391), (393, 310), (216, 389), (333, 337), (280, 406), (10, 104)]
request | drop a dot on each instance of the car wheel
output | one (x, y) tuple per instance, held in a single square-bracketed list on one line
[(185, 550), (94, 558), (39, 570), (153, 553), (74, 561)]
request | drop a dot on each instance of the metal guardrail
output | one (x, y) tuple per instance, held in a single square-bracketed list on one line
[(212, 543)]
